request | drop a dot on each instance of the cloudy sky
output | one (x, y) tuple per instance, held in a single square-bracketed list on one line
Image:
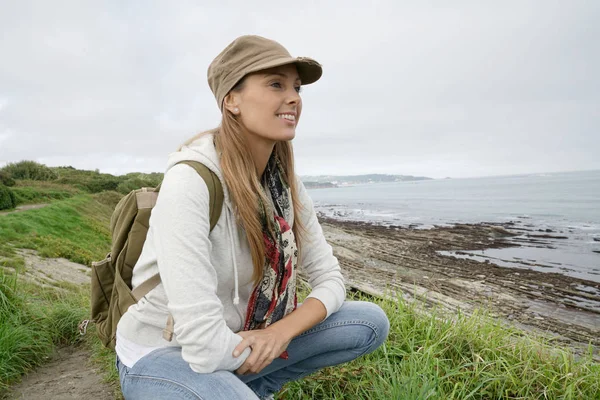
[(421, 88)]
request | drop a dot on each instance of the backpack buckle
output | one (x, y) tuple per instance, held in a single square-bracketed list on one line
[(83, 326)]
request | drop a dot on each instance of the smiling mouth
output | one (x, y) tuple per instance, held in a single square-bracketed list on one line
[(289, 117)]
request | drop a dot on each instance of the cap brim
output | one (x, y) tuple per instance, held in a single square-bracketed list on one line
[(309, 70)]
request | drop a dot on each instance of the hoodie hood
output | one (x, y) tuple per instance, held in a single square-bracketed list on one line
[(204, 151)]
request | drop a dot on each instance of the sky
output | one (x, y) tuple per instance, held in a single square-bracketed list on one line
[(428, 88)]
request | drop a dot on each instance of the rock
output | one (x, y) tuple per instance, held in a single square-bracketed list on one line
[(547, 236)]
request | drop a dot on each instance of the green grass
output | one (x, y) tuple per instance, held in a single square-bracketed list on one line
[(32, 321), (76, 228), (34, 192), (431, 356)]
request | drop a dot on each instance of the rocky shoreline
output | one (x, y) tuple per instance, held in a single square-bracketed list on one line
[(376, 259)]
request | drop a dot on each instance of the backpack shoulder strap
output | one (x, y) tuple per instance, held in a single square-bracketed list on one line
[(215, 189)]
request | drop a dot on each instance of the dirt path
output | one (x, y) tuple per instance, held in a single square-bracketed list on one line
[(25, 208), (52, 271), (374, 258), (69, 374)]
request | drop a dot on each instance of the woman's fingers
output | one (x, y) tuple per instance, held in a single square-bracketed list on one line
[(245, 343), (265, 348), (263, 360), (265, 364), (252, 361), (259, 359)]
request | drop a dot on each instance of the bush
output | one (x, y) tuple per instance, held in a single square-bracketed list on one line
[(7, 198), (29, 170), (134, 183), (102, 183), (6, 179), (90, 181)]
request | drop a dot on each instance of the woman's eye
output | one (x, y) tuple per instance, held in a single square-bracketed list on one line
[(298, 89), (276, 84)]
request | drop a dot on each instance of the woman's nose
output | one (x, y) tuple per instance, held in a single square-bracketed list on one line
[(293, 97)]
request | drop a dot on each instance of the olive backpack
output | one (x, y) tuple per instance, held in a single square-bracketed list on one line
[(111, 288)]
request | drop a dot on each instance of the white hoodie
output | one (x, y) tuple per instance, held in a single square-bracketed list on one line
[(207, 276)]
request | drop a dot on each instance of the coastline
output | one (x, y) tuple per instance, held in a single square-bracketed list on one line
[(375, 259)]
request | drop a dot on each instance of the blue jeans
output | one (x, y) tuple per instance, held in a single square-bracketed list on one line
[(356, 329)]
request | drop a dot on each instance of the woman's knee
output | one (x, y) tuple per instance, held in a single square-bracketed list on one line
[(372, 317)]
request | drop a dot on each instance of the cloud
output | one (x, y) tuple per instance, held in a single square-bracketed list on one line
[(470, 89)]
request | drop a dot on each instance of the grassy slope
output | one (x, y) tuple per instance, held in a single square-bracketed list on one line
[(76, 228), (426, 356), (34, 319), (32, 192)]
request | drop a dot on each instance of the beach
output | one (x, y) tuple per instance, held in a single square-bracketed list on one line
[(427, 264)]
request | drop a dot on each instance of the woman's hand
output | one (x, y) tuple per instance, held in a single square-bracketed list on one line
[(266, 344)]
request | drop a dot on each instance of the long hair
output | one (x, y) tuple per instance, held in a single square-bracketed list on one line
[(243, 183)]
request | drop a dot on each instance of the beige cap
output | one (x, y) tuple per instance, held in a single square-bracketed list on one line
[(251, 53)]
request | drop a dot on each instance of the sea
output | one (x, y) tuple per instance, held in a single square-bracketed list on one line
[(562, 211)]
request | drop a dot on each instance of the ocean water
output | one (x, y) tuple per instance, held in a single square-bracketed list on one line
[(556, 204)]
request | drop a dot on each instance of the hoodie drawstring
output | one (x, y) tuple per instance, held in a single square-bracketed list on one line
[(236, 298)]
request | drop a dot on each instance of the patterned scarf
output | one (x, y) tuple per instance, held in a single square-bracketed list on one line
[(275, 296)]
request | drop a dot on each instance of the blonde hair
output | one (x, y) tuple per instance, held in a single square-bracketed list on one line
[(245, 188)]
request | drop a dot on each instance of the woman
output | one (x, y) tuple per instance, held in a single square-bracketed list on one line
[(232, 290)]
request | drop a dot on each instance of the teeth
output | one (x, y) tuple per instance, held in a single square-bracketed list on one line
[(287, 116)]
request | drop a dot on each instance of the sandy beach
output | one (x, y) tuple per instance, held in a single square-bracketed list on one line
[(376, 258)]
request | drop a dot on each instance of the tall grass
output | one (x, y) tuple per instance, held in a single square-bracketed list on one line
[(434, 356), (32, 321)]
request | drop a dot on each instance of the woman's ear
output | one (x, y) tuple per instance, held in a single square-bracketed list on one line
[(230, 103)]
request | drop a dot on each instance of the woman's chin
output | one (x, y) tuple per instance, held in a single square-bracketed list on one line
[(286, 136)]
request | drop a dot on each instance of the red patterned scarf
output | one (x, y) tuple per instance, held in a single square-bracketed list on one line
[(275, 295)]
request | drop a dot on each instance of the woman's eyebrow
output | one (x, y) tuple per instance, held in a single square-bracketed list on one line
[(281, 74)]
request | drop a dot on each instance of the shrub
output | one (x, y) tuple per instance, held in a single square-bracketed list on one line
[(134, 183), (29, 170), (6, 179), (7, 198), (102, 183), (90, 181)]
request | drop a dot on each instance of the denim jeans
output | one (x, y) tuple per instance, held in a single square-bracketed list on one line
[(356, 329)]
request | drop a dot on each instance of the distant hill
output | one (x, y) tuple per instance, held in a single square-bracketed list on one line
[(341, 180), (96, 182), (318, 185)]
